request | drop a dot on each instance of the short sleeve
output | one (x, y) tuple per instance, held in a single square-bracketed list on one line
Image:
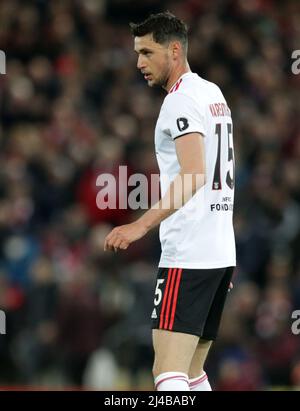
[(182, 115)]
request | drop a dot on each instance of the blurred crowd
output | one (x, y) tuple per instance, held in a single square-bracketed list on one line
[(73, 106)]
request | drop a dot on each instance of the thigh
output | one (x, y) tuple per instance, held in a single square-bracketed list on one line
[(173, 351), (199, 357)]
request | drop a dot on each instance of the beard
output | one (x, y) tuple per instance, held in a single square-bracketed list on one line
[(161, 81)]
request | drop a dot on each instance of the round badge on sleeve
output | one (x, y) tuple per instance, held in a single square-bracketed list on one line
[(182, 123)]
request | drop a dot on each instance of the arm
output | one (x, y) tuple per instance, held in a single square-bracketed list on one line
[(190, 154), (191, 158)]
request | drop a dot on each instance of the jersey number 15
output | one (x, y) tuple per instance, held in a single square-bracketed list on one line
[(217, 181)]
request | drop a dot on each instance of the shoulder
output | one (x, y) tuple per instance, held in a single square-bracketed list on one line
[(183, 91), (178, 101), (186, 85), (194, 87)]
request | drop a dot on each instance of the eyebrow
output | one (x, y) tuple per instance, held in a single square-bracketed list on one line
[(143, 50)]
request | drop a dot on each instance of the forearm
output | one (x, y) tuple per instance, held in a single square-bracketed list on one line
[(181, 190)]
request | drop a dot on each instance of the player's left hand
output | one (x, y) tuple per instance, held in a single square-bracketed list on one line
[(121, 237)]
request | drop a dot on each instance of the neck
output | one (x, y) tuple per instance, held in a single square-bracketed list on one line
[(176, 74)]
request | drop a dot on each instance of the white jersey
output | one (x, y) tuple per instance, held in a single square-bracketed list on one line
[(199, 234)]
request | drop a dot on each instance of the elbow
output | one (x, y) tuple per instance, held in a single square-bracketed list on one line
[(200, 180), (194, 177)]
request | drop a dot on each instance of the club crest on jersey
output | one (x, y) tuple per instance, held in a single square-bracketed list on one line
[(182, 123)]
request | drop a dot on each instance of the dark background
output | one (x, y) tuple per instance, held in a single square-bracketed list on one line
[(74, 106)]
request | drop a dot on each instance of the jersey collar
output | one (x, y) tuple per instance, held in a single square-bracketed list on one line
[(176, 85)]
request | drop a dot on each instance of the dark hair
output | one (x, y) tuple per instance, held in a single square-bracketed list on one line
[(163, 26)]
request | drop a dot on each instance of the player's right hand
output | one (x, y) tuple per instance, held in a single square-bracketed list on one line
[(121, 237)]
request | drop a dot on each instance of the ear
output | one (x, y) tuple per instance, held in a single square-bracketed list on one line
[(176, 49)]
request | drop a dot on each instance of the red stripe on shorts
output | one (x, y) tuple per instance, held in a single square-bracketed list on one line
[(170, 298), (165, 298), (175, 299)]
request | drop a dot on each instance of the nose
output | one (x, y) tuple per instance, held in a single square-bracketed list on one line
[(140, 62)]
